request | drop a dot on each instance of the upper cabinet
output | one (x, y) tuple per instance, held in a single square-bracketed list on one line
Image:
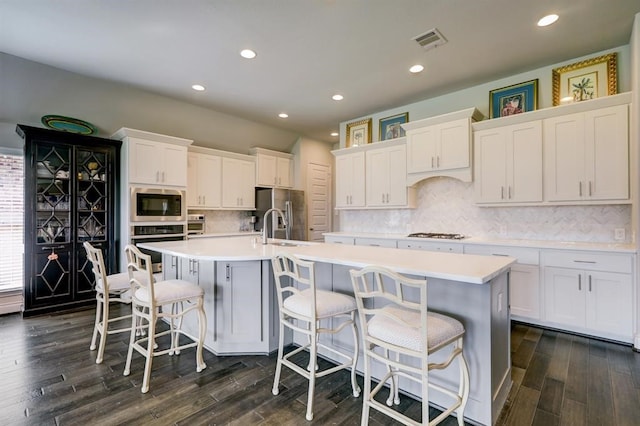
[(273, 168), (373, 176), (587, 155), (204, 181), (154, 159), (440, 146), (508, 164), (238, 182)]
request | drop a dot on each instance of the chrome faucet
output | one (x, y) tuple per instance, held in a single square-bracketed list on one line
[(264, 223)]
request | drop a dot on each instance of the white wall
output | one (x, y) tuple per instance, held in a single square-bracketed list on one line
[(446, 204)]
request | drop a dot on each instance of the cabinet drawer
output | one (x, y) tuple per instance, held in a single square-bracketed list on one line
[(526, 256), (376, 242), (333, 239), (431, 246), (611, 262)]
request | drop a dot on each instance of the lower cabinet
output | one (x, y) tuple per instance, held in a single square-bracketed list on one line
[(430, 246), (582, 295)]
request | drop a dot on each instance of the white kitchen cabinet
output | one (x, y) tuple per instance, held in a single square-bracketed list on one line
[(386, 171), (443, 146), (350, 180), (238, 183), (508, 164), (590, 293), (204, 181), (273, 169), (239, 311), (375, 242), (586, 156), (201, 273), (524, 278), (431, 246), (157, 163), (338, 239)]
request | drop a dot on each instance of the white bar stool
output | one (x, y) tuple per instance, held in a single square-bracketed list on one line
[(109, 288), (146, 303), (393, 325), (302, 307)]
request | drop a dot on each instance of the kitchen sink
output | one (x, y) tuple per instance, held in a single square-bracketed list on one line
[(284, 244)]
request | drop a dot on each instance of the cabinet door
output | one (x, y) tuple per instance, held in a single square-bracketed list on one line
[(607, 153), (491, 165), (377, 173), (193, 188), (422, 149), (283, 172), (238, 308), (174, 165), (564, 296), (238, 178), (266, 166), (454, 139), (210, 180), (146, 161), (524, 291), (610, 303), (350, 180), (524, 163), (564, 158), (397, 187)]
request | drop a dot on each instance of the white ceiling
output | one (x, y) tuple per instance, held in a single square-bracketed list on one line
[(307, 49)]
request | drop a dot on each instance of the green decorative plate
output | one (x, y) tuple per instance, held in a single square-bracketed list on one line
[(68, 124)]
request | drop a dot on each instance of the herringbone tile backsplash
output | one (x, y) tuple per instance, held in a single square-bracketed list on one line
[(446, 205)]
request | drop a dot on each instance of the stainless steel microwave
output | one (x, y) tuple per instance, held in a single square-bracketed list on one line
[(158, 205)]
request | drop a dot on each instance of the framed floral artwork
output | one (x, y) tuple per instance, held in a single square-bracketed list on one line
[(590, 79), (514, 99), (390, 127), (358, 133)]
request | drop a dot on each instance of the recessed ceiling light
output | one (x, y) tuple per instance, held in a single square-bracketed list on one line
[(248, 54), (547, 20), (337, 97), (283, 115), (334, 134), (198, 87), (416, 69)]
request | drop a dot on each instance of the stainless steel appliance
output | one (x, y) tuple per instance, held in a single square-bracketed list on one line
[(154, 234), (195, 224), (292, 204), (437, 235), (158, 205)]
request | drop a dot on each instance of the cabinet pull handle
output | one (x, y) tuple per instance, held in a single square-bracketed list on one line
[(438, 161), (579, 282), (509, 191), (157, 176), (589, 283), (382, 198), (195, 267), (432, 162), (590, 192), (204, 200), (499, 254), (162, 176), (228, 270), (585, 261), (173, 261), (580, 188), (502, 192)]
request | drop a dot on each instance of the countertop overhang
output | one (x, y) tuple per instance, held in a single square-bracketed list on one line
[(473, 269)]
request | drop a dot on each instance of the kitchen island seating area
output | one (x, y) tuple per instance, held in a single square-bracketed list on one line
[(151, 301), (399, 332), (311, 312)]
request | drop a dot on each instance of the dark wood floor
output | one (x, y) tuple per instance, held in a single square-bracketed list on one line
[(49, 376)]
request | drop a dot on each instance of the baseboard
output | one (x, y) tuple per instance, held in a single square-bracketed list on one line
[(11, 302)]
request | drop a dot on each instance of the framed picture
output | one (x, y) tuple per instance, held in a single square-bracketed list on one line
[(515, 99), (390, 127), (358, 133), (590, 79)]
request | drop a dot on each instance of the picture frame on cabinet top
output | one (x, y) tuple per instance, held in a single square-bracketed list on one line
[(514, 99), (390, 127), (358, 133), (584, 80)]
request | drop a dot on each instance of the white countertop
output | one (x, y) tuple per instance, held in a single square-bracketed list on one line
[(448, 266), (540, 244), (224, 234)]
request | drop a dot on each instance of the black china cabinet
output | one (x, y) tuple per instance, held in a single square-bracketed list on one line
[(71, 196)]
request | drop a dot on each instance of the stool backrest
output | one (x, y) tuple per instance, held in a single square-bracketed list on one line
[(293, 275), (376, 288), (140, 275), (94, 255)]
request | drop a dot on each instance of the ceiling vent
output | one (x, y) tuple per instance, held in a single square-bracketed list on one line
[(430, 39)]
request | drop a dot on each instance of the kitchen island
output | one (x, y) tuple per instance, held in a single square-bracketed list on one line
[(242, 312)]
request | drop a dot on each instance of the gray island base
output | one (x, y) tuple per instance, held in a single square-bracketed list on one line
[(242, 312)]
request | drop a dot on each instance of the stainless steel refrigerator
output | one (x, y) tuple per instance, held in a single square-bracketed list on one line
[(291, 203)]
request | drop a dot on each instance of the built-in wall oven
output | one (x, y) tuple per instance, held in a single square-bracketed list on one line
[(146, 233), (158, 205)]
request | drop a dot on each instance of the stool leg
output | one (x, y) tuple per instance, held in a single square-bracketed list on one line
[(356, 346), (92, 347), (132, 337), (464, 385), (364, 421), (202, 328), (150, 346), (104, 329), (313, 366), (276, 380)]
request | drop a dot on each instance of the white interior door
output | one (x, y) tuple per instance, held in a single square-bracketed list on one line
[(319, 201)]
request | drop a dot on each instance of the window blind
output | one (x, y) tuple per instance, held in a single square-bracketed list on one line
[(11, 221)]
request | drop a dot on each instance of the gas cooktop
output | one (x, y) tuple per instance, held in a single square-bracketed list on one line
[(438, 235)]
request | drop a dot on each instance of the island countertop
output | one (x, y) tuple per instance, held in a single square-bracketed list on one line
[(474, 269)]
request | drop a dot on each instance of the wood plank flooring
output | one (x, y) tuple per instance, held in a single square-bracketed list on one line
[(49, 377)]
